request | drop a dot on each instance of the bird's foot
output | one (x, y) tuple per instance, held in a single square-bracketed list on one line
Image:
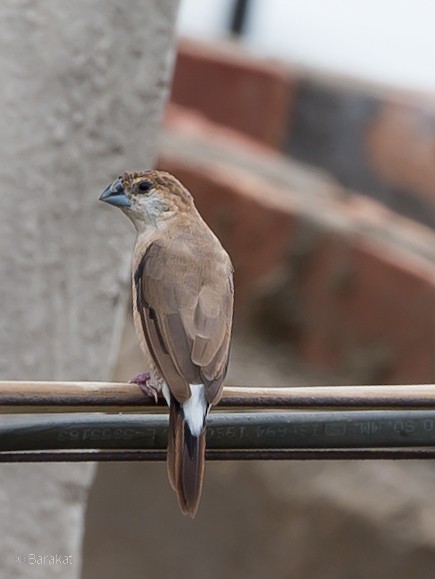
[(142, 381)]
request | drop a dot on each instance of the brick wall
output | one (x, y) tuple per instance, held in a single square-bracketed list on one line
[(331, 270), (373, 139)]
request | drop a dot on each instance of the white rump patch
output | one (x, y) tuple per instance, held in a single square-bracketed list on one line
[(195, 409), (166, 394)]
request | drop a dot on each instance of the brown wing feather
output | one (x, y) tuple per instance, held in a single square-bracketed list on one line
[(186, 322)]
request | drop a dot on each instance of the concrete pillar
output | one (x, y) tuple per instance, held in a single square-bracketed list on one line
[(82, 92)]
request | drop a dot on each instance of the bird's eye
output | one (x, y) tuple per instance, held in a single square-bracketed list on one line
[(144, 186)]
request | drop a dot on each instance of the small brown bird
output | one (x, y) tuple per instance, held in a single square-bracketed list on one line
[(183, 310)]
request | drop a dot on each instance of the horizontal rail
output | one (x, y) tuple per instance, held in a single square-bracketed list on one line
[(301, 423), (234, 431), (159, 455), (21, 397)]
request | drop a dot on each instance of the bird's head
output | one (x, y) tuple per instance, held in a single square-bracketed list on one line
[(149, 197)]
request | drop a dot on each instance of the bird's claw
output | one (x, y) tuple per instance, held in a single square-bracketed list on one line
[(142, 381)]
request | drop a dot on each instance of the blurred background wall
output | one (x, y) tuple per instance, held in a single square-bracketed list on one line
[(389, 41), (362, 104), (306, 136)]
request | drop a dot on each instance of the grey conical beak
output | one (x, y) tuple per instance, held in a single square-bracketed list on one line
[(114, 194)]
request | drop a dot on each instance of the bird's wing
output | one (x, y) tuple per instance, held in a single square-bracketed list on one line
[(186, 314)]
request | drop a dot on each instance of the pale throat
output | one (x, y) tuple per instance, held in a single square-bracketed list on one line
[(144, 226), (153, 216)]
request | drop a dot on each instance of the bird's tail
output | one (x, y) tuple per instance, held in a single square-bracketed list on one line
[(186, 460)]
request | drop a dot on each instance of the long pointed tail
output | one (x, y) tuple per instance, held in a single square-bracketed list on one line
[(186, 460)]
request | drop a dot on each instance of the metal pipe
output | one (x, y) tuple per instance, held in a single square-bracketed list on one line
[(21, 397)]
